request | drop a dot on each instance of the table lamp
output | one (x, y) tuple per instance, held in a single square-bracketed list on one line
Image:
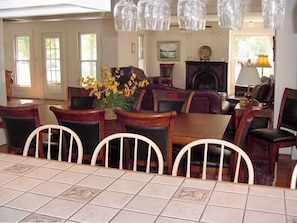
[(262, 62), (248, 76)]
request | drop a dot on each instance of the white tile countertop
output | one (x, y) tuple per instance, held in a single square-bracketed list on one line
[(39, 190)]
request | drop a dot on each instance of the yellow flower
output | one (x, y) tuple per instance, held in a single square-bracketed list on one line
[(109, 91)]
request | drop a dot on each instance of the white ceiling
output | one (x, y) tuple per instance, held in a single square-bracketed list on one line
[(98, 9)]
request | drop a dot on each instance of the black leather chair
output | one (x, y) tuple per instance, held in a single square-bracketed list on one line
[(282, 135), (156, 126), (89, 125)]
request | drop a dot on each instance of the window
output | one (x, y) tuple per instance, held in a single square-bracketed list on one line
[(22, 61), (88, 54), (249, 47)]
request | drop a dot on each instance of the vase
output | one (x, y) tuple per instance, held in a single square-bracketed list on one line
[(109, 114)]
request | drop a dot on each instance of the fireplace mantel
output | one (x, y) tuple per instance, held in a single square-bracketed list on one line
[(206, 75)]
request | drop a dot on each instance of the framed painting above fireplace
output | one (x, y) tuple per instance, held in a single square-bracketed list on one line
[(168, 50)]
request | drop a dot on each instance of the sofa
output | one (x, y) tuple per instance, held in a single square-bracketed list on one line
[(204, 101)]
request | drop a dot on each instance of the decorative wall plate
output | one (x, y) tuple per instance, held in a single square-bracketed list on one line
[(204, 52)]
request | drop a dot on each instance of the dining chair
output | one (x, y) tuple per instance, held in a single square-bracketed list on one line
[(139, 143), (280, 136), (138, 95), (60, 138), (179, 101), (294, 178), (156, 126), (78, 98), (223, 145), (215, 153), (88, 124), (19, 122)]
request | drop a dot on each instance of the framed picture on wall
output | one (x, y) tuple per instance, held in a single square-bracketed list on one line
[(168, 50)]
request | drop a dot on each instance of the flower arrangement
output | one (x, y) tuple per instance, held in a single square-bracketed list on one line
[(109, 91)]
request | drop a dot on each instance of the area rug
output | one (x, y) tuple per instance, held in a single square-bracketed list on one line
[(262, 176)]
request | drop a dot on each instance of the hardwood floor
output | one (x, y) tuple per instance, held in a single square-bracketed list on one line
[(284, 168)]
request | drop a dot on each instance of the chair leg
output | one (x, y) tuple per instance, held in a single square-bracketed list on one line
[(273, 156)]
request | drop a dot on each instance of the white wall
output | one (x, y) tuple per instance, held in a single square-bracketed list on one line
[(2, 80), (286, 59)]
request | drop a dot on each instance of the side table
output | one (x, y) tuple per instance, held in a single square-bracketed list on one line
[(263, 113)]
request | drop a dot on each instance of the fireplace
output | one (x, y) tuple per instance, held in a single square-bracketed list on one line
[(206, 75)]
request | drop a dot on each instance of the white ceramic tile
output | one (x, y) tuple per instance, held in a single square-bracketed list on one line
[(12, 215), (138, 176), (216, 214), (267, 204), (23, 183), (4, 164), (168, 180), (109, 172), (59, 165), (130, 216), (68, 177), (82, 168), (35, 161), (126, 186), (148, 205), (96, 181), (228, 199), (291, 219), (232, 187), (19, 168), (291, 207), (90, 213), (259, 217), (29, 202), (8, 195), (189, 194), (291, 194), (266, 191), (6, 177), (60, 208), (198, 183), (50, 188), (13, 158), (171, 220), (158, 190), (41, 218), (43, 173), (183, 210), (112, 199), (79, 193)]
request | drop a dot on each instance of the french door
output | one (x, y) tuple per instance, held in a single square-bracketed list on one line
[(53, 75)]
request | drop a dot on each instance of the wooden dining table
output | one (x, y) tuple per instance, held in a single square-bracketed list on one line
[(187, 127)]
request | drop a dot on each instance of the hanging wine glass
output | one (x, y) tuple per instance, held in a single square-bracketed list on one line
[(273, 12), (125, 16), (230, 13)]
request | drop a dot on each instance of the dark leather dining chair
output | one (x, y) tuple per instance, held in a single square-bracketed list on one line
[(229, 158), (156, 126), (19, 122), (179, 101), (282, 135), (78, 98), (89, 125)]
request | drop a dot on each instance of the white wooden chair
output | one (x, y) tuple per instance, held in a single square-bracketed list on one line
[(105, 144), (56, 135), (222, 144), (294, 178)]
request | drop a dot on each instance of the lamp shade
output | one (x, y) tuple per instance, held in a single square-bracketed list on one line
[(248, 76), (263, 61)]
